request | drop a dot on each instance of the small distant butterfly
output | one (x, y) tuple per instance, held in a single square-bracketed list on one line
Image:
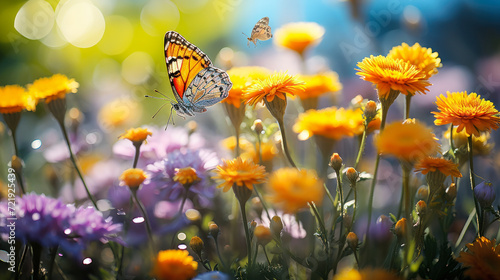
[(195, 82), (261, 31)]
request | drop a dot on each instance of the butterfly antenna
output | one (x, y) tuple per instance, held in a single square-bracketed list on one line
[(165, 97), (159, 109), (170, 117)]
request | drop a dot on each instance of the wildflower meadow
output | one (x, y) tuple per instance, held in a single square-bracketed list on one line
[(333, 140)]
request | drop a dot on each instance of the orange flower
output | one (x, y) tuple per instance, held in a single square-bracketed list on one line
[(334, 123), (482, 259), (480, 145), (136, 135), (365, 274), (239, 172), (423, 58), (392, 74), (14, 98), (433, 164), (316, 85), (292, 189), (469, 112), (119, 112), (298, 36), (408, 141), (242, 78), (174, 264), (278, 84), (133, 177), (51, 88), (186, 175)]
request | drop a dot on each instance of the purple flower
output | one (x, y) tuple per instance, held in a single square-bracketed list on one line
[(50, 223), (381, 230), (212, 275), (160, 144), (162, 172), (485, 193)]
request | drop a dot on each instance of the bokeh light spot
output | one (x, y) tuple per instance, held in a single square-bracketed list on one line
[(190, 6), (182, 246), (159, 16), (137, 68), (35, 19), (80, 22), (181, 236), (36, 144), (117, 36)]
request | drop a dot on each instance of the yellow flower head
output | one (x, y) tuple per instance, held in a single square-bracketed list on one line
[(423, 58), (277, 84), (186, 175), (480, 145), (230, 143), (433, 164), (136, 135), (482, 259), (396, 74), (298, 36), (51, 88), (240, 172), (408, 141), (469, 112), (174, 264), (133, 177), (242, 78), (333, 122), (119, 112), (14, 98), (263, 234), (316, 85), (292, 189), (365, 274)]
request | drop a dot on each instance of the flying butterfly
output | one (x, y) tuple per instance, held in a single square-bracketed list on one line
[(195, 82), (261, 31)]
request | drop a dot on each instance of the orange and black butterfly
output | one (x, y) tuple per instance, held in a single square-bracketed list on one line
[(195, 82), (261, 31)]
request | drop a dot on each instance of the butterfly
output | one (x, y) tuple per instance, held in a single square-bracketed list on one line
[(195, 82), (261, 31)]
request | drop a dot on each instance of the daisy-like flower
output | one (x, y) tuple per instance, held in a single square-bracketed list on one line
[(242, 78), (276, 85), (133, 177), (316, 85), (482, 259), (365, 274), (291, 189), (174, 264), (52, 88), (298, 36), (392, 74), (423, 58), (334, 123), (433, 164), (408, 141), (14, 99), (136, 135), (121, 112), (186, 175), (239, 172), (467, 111)]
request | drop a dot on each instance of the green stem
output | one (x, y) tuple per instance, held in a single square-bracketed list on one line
[(452, 146), (257, 192), (265, 253), (466, 226), (218, 254), (148, 226), (37, 253), (407, 105), (407, 207), (332, 200), (247, 234), (401, 201), (73, 160), (237, 148), (479, 218), (137, 153), (361, 147), (284, 143), (21, 261), (125, 229), (53, 252), (16, 152)]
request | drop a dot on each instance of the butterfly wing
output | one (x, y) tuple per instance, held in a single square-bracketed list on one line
[(184, 61), (210, 86), (261, 30)]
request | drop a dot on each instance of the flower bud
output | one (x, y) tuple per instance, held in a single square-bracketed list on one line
[(258, 127), (276, 226), (352, 240), (451, 192), (400, 228), (192, 126), (380, 231), (263, 235), (213, 229), (485, 194), (370, 110), (421, 207), (133, 177), (336, 162), (352, 175), (423, 192), (196, 245)]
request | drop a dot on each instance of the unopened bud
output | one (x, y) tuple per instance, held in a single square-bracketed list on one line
[(485, 194), (258, 127), (400, 228), (352, 175), (421, 207), (370, 111), (213, 230), (276, 226), (196, 245), (336, 162), (352, 240), (451, 192), (263, 235), (423, 192)]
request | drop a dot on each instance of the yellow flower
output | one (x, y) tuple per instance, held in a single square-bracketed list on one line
[(230, 143), (333, 122), (469, 112), (396, 74), (277, 84), (263, 235), (433, 164), (239, 172), (14, 99), (292, 189), (119, 112), (136, 135), (316, 85), (408, 141), (51, 88), (365, 274), (174, 264), (423, 58), (268, 152), (186, 175), (482, 259), (480, 145), (133, 177), (298, 36), (242, 78)]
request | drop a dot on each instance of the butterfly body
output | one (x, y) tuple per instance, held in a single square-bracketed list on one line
[(261, 31), (195, 82)]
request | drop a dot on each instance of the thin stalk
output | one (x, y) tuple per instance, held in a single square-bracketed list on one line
[(257, 192), (332, 200), (361, 147), (452, 145), (137, 153), (73, 160), (16, 152), (479, 218), (125, 229), (407, 207), (53, 252), (466, 226), (265, 253), (21, 261), (407, 105), (184, 198), (218, 253), (284, 143), (148, 226), (247, 234), (237, 148), (37, 253), (400, 208)]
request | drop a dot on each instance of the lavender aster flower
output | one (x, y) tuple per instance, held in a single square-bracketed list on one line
[(88, 224), (381, 230), (485, 193)]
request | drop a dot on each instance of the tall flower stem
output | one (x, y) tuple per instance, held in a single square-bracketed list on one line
[(361, 147), (137, 146), (407, 201), (148, 225), (259, 151), (479, 216), (285, 144), (37, 253), (407, 105), (247, 233), (12, 121), (218, 254)]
